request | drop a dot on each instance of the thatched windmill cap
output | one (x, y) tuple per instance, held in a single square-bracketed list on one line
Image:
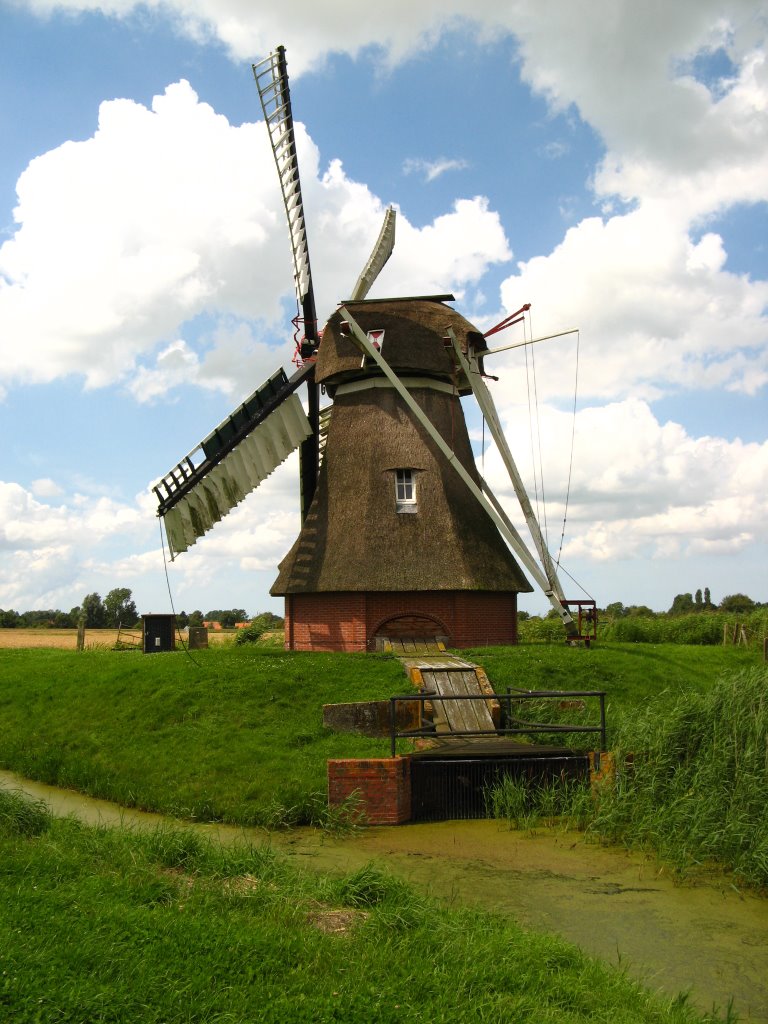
[(415, 330)]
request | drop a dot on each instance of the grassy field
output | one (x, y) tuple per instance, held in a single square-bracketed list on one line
[(235, 734), (120, 927)]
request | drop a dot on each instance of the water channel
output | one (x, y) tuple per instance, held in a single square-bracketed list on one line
[(707, 939)]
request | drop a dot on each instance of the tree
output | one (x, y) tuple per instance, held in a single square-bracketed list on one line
[(682, 604), (737, 603), (182, 620), (195, 618), (707, 598), (119, 609), (268, 620), (62, 620), (615, 610), (698, 600), (227, 616), (9, 619), (94, 611)]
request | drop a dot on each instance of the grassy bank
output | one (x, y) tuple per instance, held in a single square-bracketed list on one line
[(709, 628), (237, 734), (691, 782), (118, 926)]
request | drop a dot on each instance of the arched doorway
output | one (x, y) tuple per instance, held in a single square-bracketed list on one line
[(412, 627)]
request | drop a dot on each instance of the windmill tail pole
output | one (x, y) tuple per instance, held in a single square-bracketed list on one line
[(551, 587)]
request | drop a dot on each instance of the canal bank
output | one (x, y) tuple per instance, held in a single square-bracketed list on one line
[(706, 939)]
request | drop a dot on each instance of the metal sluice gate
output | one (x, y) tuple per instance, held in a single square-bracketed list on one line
[(456, 788)]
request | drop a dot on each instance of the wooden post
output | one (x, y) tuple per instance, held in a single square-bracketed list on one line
[(81, 633)]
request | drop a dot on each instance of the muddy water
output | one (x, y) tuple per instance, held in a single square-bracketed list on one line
[(707, 939)]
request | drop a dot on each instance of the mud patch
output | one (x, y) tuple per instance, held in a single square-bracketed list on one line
[(336, 922)]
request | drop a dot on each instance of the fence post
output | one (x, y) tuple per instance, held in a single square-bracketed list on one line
[(81, 633)]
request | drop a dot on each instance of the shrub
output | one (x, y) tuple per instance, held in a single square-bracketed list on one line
[(251, 634)]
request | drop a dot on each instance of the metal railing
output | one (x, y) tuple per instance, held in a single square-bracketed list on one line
[(505, 700)]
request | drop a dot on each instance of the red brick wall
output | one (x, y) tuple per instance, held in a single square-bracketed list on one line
[(485, 618), (325, 622), (348, 621), (382, 787)]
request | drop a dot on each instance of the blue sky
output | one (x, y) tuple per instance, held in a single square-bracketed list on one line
[(610, 166)]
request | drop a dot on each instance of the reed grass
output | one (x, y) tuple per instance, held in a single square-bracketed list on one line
[(691, 782), (694, 779)]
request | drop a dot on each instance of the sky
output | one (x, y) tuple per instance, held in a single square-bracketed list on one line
[(605, 161)]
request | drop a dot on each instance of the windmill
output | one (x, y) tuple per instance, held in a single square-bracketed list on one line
[(400, 535)]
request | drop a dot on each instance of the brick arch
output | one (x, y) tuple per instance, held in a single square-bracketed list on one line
[(411, 624)]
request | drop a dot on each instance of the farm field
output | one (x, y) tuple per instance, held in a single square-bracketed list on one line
[(66, 639)]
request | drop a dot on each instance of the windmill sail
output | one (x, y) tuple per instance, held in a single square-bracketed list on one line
[(485, 400), (233, 459), (271, 75), (381, 253)]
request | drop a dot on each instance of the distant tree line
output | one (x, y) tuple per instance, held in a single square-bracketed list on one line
[(229, 618), (119, 609), (685, 604)]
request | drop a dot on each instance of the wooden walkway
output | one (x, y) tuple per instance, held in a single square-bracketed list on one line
[(443, 675)]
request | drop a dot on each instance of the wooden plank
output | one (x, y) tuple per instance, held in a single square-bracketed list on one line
[(459, 715), (475, 712), (480, 709), (445, 711)]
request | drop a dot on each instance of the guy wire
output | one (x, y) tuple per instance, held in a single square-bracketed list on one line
[(184, 646)]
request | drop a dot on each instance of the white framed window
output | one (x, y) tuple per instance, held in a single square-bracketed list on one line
[(405, 490)]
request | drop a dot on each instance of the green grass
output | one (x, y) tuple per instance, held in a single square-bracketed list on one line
[(129, 927), (236, 735), (630, 673), (692, 773)]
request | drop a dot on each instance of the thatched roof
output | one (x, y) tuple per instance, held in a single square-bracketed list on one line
[(354, 539), (414, 330)]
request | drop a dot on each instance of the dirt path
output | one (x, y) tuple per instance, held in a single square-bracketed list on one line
[(709, 940)]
